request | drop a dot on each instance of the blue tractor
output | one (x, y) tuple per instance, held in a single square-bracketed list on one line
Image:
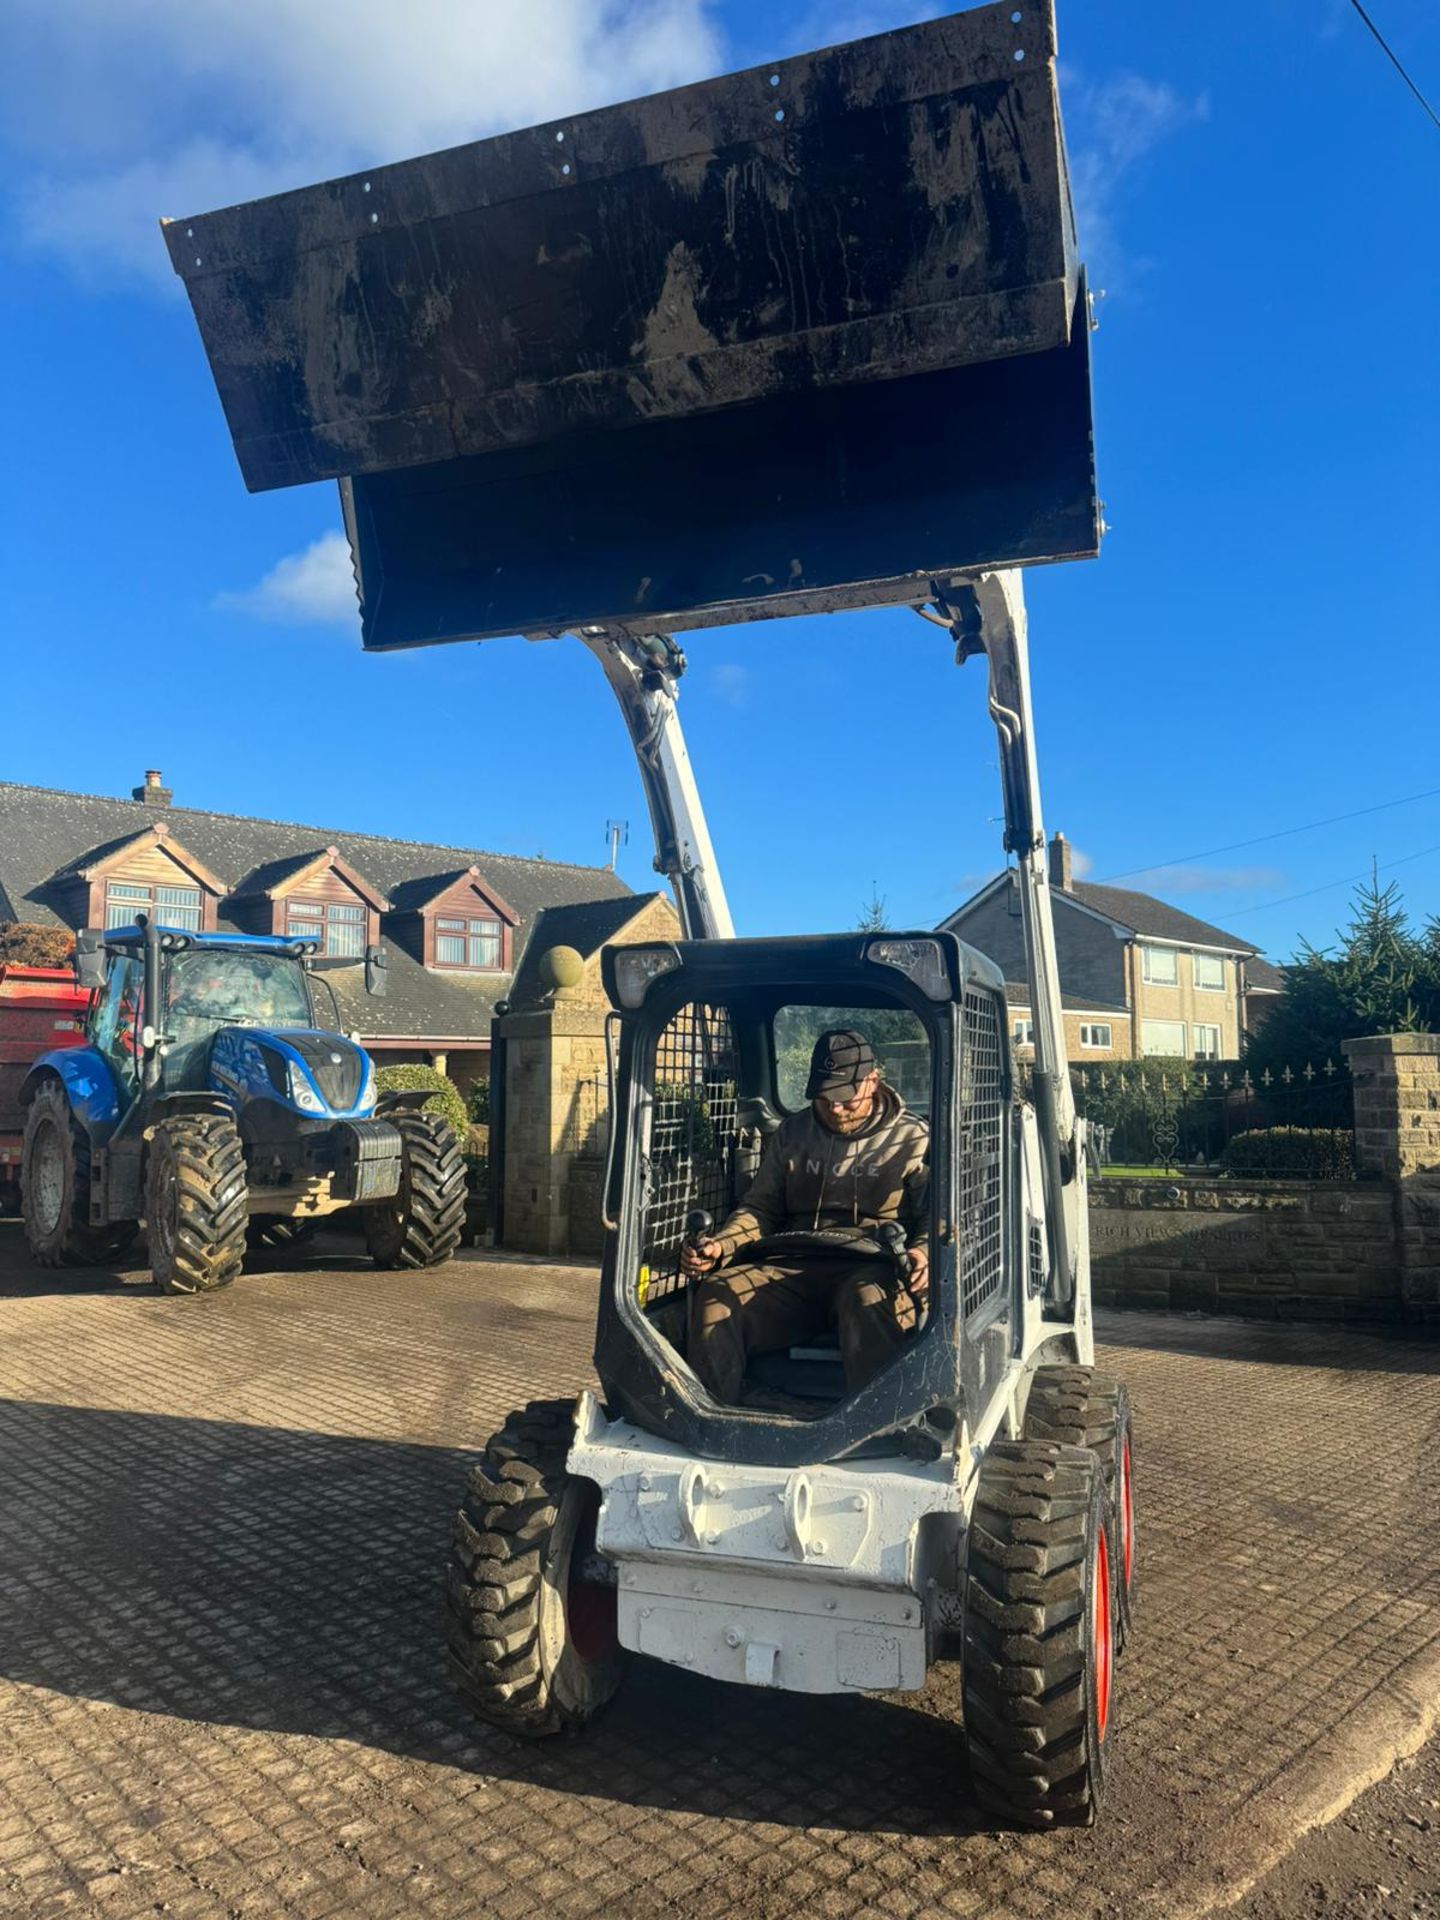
[(211, 1105)]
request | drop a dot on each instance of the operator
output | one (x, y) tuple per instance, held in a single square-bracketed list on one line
[(853, 1158)]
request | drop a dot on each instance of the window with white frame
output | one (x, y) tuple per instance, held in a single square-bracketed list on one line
[(166, 906), (1210, 972), (1161, 966), (1165, 1038), (338, 927), (1207, 1041), (1022, 1032), (468, 942), (1095, 1033)]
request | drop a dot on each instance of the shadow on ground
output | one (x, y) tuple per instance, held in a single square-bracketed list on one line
[(290, 1581)]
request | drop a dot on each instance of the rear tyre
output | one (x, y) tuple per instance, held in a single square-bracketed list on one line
[(422, 1225), (276, 1234), (1081, 1408), (1039, 1635), (533, 1646), (55, 1188), (196, 1207)]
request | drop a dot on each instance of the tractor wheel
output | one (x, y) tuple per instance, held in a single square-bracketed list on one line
[(55, 1188), (1081, 1408), (533, 1645), (1039, 1635), (421, 1226), (196, 1206), (275, 1233)]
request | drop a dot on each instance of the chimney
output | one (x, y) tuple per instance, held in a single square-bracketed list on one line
[(153, 793), (1060, 874)]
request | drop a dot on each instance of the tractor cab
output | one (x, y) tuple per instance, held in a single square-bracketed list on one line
[(715, 1044)]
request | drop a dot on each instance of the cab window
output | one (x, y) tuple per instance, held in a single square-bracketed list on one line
[(115, 1028), (902, 1050)]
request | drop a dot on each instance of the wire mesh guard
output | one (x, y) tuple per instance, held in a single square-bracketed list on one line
[(982, 1132), (693, 1125)]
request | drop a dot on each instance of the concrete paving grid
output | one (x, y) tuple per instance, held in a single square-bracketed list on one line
[(222, 1689)]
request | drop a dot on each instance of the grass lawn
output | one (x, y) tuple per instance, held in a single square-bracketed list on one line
[(1136, 1173)]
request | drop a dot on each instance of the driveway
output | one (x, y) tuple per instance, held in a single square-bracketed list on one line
[(222, 1690)]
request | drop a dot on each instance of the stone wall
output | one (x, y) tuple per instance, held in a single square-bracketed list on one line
[(1397, 1139), (1283, 1249)]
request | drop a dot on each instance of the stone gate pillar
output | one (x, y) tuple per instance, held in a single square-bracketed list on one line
[(1397, 1139)]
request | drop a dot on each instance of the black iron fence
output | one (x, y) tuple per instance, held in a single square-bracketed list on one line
[(1294, 1122)]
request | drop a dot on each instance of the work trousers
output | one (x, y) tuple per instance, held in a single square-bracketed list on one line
[(777, 1303)]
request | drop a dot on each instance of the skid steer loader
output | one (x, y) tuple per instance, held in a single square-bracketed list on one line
[(808, 337)]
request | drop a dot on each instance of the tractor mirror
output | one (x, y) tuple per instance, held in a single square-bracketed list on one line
[(375, 970), (89, 961)]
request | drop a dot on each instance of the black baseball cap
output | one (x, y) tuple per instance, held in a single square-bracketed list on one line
[(841, 1060)]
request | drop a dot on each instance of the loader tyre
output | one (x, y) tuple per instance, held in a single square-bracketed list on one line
[(533, 1646), (1039, 1635), (1082, 1408), (196, 1207), (422, 1225), (55, 1188)]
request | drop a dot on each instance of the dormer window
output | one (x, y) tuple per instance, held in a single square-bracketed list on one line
[(166, 906), (470, 942), (337, 927)]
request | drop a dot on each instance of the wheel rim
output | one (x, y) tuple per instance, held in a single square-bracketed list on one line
[(1127, 1517), (1102, 1648), (591, 1611), (47, 1177)]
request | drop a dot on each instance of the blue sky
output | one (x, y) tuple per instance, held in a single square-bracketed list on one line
[(1256, 649)]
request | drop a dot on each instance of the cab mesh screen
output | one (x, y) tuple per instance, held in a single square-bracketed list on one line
[(982, 1120), (691, 1157)]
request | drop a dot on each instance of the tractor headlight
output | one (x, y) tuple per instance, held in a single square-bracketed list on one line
[(919, 960), (636, 968), (302, 1094)]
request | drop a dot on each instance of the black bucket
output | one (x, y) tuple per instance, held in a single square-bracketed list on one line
[(801, 338)]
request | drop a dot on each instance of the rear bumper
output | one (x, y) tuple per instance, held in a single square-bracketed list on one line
[(812, 1579)]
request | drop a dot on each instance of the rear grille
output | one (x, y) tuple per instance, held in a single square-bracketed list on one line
[(337, 1067)]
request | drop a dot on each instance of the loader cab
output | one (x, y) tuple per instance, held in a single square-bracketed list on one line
[(714, 1042)]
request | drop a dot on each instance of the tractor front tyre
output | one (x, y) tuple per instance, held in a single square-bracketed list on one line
[(533, 1644), (196, 1206), (422, 1225), (55, 1188), (1039, 1635), (1077, 1407)]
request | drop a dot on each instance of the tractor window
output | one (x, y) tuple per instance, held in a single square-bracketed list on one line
[(691, 1154), (897, 1035), (116, 1026), (209, 988)]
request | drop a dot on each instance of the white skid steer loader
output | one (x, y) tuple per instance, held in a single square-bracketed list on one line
[(804, 338)]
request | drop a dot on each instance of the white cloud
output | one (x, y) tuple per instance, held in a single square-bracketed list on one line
[(731, 682), (120, 113), (316, 587), (1081, 864), (1163, 880), (1113, 125)]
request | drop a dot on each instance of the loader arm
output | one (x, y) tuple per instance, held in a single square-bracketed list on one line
[(644, 673), (986, 615)]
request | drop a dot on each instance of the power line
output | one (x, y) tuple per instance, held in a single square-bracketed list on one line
[(1349, 880), (1394, 60), (1282, 833)]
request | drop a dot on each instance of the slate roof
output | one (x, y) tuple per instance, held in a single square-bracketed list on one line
[(586, 926), (45, 832), (1017, 994), (1142, 913), (1261, 977)]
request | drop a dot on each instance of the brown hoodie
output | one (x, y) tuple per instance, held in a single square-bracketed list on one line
[(811, 1178)]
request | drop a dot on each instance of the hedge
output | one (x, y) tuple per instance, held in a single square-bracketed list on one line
[(412, 1079), (1290, 1153)]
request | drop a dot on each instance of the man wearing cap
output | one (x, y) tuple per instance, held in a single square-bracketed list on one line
[(854, 1158)]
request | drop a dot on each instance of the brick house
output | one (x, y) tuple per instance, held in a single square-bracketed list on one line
[(454, 922), (1138, 977)]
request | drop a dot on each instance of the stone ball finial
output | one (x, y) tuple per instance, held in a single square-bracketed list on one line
[(561, 968)]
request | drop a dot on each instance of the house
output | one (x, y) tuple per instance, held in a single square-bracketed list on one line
[(454, 923), (1138, 977)]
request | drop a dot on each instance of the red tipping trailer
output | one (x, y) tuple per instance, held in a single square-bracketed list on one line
[(41, 1008)]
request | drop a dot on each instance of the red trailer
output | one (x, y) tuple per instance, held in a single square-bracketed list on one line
[(41, 1008)]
